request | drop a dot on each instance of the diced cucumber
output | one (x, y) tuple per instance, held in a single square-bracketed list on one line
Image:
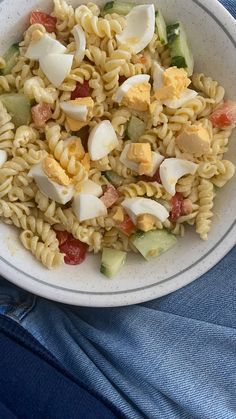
[(136, 128), (112, 261), (153, 243), (10, 58), (180, 52), (18, 106), (161, 27), (114, 178), (119, 7)]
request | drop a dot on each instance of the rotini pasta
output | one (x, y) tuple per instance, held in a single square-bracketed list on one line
[(149, 189), (203, 220), (43, 253)]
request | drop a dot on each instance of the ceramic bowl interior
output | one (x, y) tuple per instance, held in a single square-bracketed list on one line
[(211, 32)]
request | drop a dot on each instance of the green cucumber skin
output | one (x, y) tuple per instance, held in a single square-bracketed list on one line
[(136, 128), (180, 52), (179, 62), (153, 243), (115, 179), (118, 7), (112, 261), (18, 106), (10, 58), (161, 27)]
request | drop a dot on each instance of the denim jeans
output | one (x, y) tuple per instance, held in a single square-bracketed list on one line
[(174, 357)]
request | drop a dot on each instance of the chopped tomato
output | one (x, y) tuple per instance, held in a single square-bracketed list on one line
[(155, 178), (110, 196), (49, 22), (176, 203), (41, 113), (126, 226), (122, 79), (62, 236), (74, 250), (81, 90), (224, 116)]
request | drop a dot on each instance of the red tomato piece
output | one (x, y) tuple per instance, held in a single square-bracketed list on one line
[(122, 79), (110, 196), (62, 236), (81, 90), (126, 226), (74, 250), (49, 22), (155, 178), (41, 113), (224, 116), (176, 210)]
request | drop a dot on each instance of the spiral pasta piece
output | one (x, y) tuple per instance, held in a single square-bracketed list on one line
[(6, 130), (38, 227), (225, 170), (34, 88), (8, 209), (47, 207), (22, 194), (87, 235), (220, 141), (119, 168), (20, 164), (5, 186), (203, 219), (7, 83), (116, 240), (43, 253), (149, 189), (208, 87), (93, 24)]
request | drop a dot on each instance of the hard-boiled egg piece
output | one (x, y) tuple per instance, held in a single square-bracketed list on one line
[(194, 139), (157, 75), (157, 158), (87, 206), (77, 112), (139, 79), (185, 96), (91, 188), (3, 157), (171, 170), (137, 206), (45, 45), (128, 163), (102, 140), (56, 67), (80, 42), (59, 193), (78, 109), (140, 27)]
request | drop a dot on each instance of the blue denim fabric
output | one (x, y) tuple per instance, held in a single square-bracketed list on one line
[(171, 358), (174, 357)]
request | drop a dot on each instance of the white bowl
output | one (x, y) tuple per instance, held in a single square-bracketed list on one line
[(212, 34)]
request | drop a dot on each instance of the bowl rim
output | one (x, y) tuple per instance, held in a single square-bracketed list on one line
[(116, 298)]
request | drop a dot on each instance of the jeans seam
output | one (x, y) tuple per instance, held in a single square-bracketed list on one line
[(15, 310)]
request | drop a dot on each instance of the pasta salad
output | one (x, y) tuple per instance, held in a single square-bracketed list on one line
[(109, 141)]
